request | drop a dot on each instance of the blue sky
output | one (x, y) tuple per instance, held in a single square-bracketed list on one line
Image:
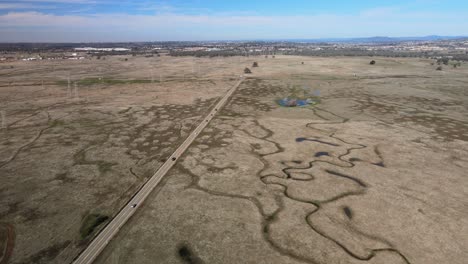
[(106, 20)]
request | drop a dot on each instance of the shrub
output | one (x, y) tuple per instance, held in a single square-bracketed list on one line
[(372, 62), (444, 60), (247, 71), (90, 223), (439, 68), (255, 64)]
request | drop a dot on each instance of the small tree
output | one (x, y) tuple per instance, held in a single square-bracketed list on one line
[(247, 71), (372, 62), (255, 64)]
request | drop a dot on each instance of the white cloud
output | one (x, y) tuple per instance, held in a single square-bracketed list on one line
[(379, 11), (171, 26), (19, 6), (60, 1)]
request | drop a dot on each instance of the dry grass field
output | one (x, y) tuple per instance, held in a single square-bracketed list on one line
[(70, 158), (374, 173)]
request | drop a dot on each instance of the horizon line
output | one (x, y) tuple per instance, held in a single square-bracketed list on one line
[(322, 39)]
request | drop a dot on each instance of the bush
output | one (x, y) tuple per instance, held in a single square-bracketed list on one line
[(247, 71), (255, 64), (444, 60), (372, 62), (439, 68), (90, 223)]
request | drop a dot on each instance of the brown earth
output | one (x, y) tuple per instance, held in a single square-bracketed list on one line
[(375, 173), (67, 154)]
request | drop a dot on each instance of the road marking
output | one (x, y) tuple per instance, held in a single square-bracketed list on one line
[(103, 238)]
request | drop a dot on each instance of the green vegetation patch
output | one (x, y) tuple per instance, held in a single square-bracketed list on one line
[(90, 223), (299, 97), (56, 123), (105, 166)]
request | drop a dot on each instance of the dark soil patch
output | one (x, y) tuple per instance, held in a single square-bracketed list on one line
[(90, 223), (7, 242), (320, 154), (187, 255), (348, 212), (299, 140), (380, 164)]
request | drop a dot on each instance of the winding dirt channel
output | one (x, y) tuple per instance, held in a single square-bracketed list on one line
[(336, 183)]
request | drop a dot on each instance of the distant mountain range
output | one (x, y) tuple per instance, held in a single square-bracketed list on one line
[(370, 40), (377, 39)]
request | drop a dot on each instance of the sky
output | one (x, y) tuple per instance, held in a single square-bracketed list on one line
[(177, 20)]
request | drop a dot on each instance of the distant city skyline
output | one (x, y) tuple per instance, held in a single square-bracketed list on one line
[(198, 20)]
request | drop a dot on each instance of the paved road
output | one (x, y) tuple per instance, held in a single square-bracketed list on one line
[(103, 238)]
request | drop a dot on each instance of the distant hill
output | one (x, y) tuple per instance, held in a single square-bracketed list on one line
[(378, 39)]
